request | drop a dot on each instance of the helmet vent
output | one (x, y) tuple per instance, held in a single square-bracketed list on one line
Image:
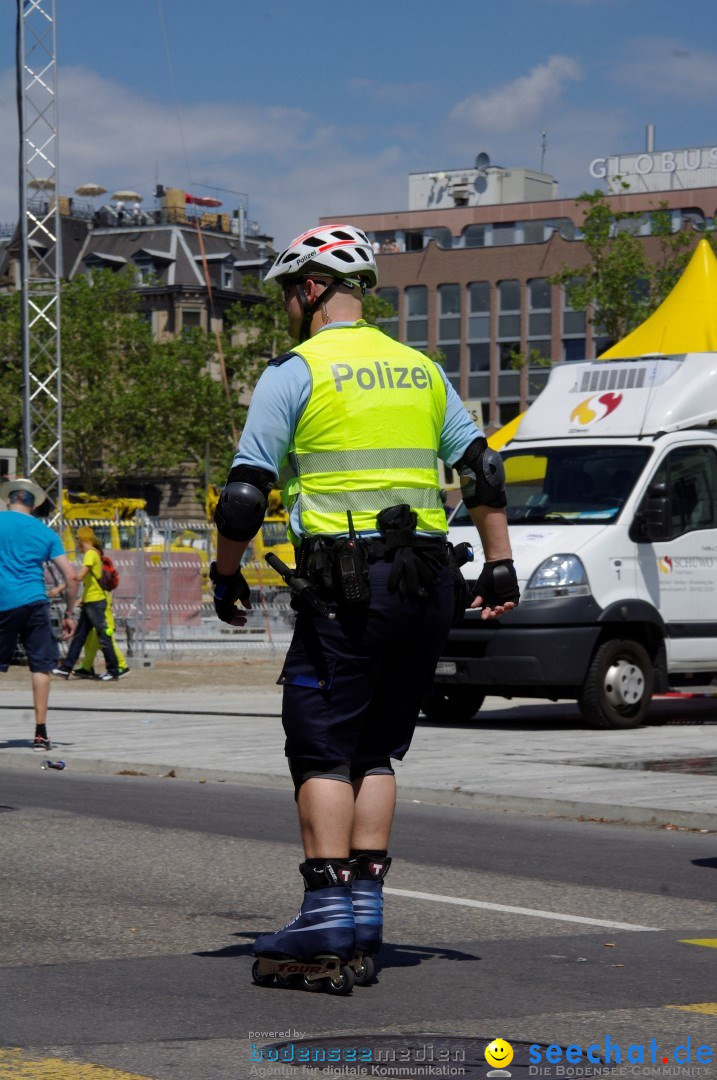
[(362, 253), (341, 235), (313, 241), (344, 256)]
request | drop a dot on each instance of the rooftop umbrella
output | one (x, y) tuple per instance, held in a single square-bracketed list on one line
[(42, 185), (90, 190), (128, 196)]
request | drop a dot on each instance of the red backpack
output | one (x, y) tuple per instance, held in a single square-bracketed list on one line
[(109, 578)]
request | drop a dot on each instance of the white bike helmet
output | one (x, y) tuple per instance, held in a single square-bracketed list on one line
[(339, 251)]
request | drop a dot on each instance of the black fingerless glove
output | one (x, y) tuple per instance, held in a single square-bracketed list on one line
[(496, 585), (227, 590)]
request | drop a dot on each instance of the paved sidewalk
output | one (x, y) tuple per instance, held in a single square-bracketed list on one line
[(529, 756)]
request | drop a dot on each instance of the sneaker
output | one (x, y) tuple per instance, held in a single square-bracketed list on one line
[(122, 672), (62, 672), (106, 677), (39, 743), (84, 673)]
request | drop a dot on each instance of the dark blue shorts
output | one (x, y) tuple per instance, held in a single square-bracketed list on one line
[(353, 685), (30, 624)]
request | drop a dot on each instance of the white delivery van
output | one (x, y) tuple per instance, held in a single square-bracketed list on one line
[(612, 509)]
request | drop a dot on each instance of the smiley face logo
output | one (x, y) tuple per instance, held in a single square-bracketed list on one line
[(499, 1053)]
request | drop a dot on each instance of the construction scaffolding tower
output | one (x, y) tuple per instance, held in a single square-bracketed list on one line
[(40, 249)]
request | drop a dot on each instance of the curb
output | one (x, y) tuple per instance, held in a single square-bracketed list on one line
[(609, 813)]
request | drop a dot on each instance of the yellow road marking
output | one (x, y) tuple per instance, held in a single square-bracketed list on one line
[(19, 1065), (708, 942), (707, 1008)]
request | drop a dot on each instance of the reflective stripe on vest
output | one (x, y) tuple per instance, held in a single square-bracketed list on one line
[(369, 435)]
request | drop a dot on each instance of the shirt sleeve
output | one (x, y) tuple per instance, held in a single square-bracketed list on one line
[(92, 560), (54, 547), (279, 398), (458, 430)]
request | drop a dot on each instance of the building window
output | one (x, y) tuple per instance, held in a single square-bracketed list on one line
[(508, 321), (449, 330), (479, 348), (227, 275), (539, 316), (534, 232), (145, 272), (573, 330), (417, 315), (191, 319), (389, 325), (474, 236), (442, 236), (504, 232)]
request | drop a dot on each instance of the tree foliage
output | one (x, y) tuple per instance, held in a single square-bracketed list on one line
[(619, 282), (131, 406), (136, 407)]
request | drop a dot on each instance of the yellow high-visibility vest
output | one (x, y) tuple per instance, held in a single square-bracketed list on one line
[(369, 435)]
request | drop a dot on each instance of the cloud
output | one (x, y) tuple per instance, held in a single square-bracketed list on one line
[(292, 164), (394, 95), (667, 68), (514, 105)]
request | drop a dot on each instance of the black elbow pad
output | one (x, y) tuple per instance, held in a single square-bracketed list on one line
[(240, 510), (482, 474)]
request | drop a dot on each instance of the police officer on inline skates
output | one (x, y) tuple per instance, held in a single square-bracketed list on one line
[(359, 421)]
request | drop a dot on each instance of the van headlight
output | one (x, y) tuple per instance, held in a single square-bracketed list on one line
[(560, 575)]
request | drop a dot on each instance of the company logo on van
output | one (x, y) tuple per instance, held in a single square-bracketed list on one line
[(665, 564), (595, 408)]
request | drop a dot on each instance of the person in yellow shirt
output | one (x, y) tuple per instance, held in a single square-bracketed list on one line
[(94, 609), (86, 669)]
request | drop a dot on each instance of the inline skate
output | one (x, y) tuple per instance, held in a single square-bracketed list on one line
[(314, 950), (367, 900)]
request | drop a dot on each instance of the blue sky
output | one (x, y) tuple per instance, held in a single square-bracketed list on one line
[(325, 109)]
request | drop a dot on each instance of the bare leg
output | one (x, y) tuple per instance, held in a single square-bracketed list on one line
[(326, 813), (40, 694), (375, 802)]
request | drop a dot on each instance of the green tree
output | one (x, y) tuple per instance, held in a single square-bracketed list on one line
[(619, 281), (10, 372), (131, 406)]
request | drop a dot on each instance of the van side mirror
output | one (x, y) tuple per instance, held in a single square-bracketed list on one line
[(653, 520)]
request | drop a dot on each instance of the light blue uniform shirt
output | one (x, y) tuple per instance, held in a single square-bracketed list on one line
[(280, 397), (25, 545)]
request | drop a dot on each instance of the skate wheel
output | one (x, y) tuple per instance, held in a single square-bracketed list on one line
[(363, 971), (342, 983), (312, 985), (289, 981), (258, 978)]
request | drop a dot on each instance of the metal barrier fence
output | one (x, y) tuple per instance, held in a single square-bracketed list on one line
[(163, 603)]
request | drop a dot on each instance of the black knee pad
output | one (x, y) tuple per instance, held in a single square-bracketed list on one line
[(303, 769), (376, 767)]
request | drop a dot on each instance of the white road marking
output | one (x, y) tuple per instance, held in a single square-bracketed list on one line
[(437, 898)]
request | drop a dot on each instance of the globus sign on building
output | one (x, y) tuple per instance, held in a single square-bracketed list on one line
[(692, 167)]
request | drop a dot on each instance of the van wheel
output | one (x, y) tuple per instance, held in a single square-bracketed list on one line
[(451, 705), (618, 686)]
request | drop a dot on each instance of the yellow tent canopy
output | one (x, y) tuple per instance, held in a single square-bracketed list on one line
[(502, 436), (686, 320)]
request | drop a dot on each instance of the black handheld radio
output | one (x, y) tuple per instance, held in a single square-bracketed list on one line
[(351, 568)]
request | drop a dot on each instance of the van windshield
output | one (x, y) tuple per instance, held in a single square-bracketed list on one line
[(569, 485)]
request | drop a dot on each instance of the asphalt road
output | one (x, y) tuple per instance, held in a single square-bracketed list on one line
[(130, 905)]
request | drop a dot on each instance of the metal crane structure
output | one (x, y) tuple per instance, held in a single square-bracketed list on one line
[(40, 246)]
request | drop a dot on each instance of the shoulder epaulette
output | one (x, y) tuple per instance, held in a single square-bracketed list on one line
[(278, 360)]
